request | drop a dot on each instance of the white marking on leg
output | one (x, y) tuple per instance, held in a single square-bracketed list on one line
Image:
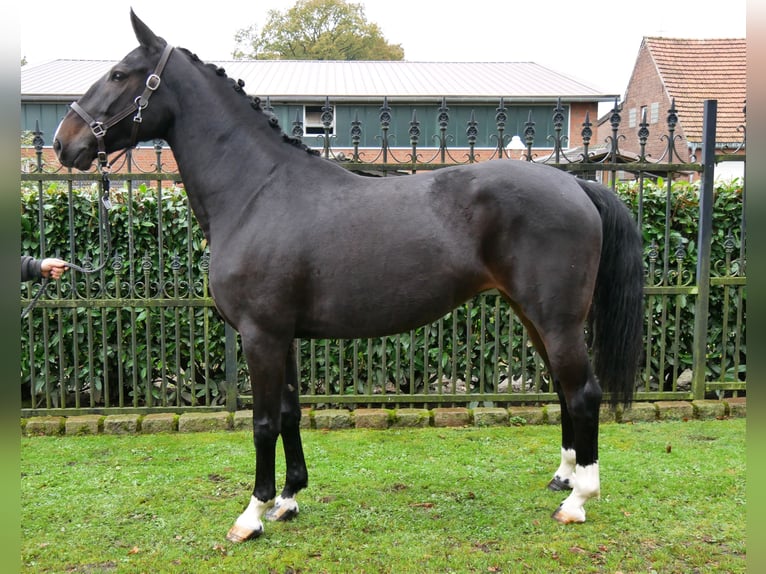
[(566, 470), (284, 509), (586, 485), (250, 519)]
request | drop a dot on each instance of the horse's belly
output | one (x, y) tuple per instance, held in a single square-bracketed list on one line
[(383, 310)]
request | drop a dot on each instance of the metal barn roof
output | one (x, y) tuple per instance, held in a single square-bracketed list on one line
[(344, 80)]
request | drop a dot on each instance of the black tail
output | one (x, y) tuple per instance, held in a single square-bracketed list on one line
[(617, 312)]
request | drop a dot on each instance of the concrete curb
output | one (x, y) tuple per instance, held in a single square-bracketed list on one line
[(334, 419)]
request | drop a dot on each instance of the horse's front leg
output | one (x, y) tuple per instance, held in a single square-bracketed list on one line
[(266, 357), (296, 475)]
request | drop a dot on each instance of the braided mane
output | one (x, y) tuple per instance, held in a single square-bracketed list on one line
[(255, 102)]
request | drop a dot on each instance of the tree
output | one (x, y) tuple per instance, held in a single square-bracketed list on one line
[(316, 30)]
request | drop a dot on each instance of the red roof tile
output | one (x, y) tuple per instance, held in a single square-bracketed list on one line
[(697, 70)]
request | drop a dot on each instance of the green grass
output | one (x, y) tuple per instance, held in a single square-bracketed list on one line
[(399, 501)]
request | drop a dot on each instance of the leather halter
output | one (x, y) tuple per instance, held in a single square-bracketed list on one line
[(99, 128)]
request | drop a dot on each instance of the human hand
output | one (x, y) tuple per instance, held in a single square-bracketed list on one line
[(53, 267)]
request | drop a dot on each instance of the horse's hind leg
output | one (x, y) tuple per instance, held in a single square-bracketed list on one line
[(564, 353), (563, 478), (296, 475), (580, 397)]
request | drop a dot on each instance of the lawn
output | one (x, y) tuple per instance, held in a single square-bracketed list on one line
[(399, 501)]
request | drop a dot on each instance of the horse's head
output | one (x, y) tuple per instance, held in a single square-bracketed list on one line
[(113, 113)]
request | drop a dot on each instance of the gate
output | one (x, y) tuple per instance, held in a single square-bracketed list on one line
[(142, 334)]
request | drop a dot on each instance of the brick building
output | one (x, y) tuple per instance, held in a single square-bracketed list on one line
[(687, 72)]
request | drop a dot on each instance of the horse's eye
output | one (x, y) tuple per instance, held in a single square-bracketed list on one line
[(117, 76)]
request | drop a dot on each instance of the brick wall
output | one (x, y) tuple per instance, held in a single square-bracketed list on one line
[(577, 113), (645, 89), (144, 160)]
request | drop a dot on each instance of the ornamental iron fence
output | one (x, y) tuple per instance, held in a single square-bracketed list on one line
[(137, 330)]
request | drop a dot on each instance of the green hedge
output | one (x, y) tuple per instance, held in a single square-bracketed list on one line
[(162, 253), (680, 209)]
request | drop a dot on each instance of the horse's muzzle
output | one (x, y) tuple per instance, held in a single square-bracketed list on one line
[(73, 154)]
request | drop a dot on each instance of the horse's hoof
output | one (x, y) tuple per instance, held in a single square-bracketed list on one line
[(557, 485), (241, 534), (564, 517), (284, 509)]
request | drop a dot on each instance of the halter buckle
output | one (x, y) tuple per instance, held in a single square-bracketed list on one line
[(98, 129), (153, 82)]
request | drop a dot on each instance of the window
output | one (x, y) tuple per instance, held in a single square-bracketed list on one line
[(312, 120), (632, 117), (655, 117)]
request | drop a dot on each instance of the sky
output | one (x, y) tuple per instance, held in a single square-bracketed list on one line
[(596, 42)]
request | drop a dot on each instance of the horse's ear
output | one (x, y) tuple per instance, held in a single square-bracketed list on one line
[(144, 35)]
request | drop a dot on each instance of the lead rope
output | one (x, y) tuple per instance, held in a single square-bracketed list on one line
[(104, 206)]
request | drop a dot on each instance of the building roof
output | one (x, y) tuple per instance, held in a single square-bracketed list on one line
[(344, 80), (696, 70)]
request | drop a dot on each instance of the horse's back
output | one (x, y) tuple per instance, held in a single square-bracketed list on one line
[(517, 186)]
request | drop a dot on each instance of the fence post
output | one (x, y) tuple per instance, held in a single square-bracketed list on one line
[(230, 352), (699, 358)]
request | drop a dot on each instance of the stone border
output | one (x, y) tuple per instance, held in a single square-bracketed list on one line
[(332, 419)]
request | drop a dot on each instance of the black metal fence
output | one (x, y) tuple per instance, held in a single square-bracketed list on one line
[(141, 334)]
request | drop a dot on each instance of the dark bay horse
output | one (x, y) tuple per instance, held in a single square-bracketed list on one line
[(301, 247)]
